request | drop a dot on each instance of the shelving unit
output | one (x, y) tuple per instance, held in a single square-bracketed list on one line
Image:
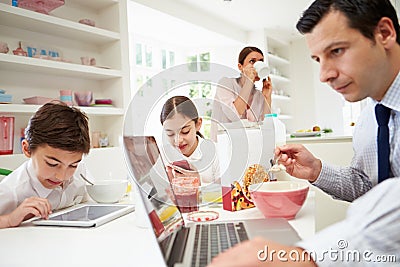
[(278, 56), (107, 42)]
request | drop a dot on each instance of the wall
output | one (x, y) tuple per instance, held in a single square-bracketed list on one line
[(315, 103), (328, 105), (303, 100)]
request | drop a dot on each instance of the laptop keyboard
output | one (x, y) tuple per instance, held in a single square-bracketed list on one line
[(211, 239)]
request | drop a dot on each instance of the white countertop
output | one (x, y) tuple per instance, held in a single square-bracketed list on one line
[(117, 243), (323, 138)]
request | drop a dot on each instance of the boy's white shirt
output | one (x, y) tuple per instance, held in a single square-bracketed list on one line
[(23, 183)]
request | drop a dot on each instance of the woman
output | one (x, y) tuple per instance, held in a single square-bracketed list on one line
[(237, 98), (181, 124)]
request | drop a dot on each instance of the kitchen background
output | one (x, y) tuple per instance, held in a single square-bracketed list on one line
[(133, 40)]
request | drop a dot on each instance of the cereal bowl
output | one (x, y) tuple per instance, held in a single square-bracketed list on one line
[(107, 191), (280, 199)]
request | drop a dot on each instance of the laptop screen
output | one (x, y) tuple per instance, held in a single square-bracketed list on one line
[(146, 165)]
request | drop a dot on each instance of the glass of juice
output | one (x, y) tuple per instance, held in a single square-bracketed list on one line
[(186, 191)]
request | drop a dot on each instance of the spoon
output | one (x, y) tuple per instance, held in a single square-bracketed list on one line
[(84, 178), (276, 167), (276, 162)]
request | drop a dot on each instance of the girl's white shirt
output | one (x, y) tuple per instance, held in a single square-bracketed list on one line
[(204, 158)]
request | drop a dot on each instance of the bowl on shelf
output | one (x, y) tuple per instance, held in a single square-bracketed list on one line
[(37, 100), (107, 191), (5, 99), (279, 199), (83, 98)]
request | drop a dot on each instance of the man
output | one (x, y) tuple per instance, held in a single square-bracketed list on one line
[(356, 43), (358, 58)]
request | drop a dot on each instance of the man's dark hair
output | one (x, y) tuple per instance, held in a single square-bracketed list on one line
[(362, 15), (59, 126)]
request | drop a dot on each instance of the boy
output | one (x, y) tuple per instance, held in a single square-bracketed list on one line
[(57, 136)]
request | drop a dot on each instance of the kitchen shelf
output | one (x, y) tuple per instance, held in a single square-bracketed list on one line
[(279, 59), (278, 78), (107, 43), (95, 4), (285, 117), (36, 65), (36, 22), (30, 109), (280, 97), (276, 60)]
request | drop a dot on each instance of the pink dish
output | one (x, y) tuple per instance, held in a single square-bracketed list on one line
[(103, 101), (37, 100), (87, 22), (41, 6), (280, 199)]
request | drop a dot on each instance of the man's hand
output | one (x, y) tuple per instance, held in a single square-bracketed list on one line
[(261, 252), (299, 162)]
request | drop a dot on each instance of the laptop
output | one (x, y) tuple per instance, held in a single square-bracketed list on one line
[(86, 215), (194, 244)]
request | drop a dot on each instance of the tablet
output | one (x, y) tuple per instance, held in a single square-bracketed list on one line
[(86, 215)]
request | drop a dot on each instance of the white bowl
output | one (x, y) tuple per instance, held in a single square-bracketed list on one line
[(107, 191)]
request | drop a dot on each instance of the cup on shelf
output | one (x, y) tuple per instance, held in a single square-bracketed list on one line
[(4, 48), (96, 139), (66, 97), (88, 61)]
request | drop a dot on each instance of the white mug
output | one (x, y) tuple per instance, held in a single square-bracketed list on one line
[(262, 69)]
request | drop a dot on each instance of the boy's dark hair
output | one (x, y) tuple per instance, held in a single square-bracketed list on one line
[(59, 126), (247, 50), (362, 15), (179, 105)]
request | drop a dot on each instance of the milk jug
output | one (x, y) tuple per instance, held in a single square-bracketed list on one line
[(279, 128)]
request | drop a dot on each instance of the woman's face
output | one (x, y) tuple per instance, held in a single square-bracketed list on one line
[(251, 58), (181, 132)]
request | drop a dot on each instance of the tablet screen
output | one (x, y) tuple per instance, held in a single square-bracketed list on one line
[(86, 213)]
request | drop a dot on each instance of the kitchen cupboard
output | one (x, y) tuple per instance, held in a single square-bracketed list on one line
[(107, 42)]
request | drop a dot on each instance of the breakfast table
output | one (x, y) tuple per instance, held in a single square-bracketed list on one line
[(122, 242)]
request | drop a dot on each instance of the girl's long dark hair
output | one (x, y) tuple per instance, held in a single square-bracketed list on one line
[(179, 105)]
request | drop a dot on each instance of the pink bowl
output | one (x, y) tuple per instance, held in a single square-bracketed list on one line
[(83, 98), (280, 199)]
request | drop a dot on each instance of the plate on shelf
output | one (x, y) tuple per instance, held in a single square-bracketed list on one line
[(306, 134), (101, 105), (102, 67), (37, 100)]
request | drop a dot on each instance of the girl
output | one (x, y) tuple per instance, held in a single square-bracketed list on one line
[(181, 124)]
